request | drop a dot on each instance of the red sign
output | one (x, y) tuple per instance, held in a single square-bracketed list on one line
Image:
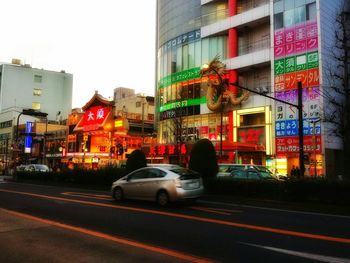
[(252, 135), (291, 144), (94, 117)]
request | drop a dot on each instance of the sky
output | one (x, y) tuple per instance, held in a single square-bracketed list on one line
[(105, 44)]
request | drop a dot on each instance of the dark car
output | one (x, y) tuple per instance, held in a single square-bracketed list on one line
[(251, 174)]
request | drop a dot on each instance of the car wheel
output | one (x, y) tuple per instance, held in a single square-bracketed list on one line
[(118, 194), (163, 198)]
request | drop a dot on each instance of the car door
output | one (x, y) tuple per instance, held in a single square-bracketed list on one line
[(134, 183), (151, 184)]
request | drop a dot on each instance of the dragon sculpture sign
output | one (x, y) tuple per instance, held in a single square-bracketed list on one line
[(218, 93)]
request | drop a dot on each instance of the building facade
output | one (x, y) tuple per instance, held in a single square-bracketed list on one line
[(104, 132), (24, 87), (267, 46)]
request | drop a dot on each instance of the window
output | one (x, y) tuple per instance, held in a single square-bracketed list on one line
[(288, 19), (311, 11), (36, 105), (38, 78), (299, 15), (156, 173), (278, 20), (37, 92), (139, 175), (253, 175), (239, 174), (138, 104)]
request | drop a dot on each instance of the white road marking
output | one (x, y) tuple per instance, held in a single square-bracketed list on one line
[(317, 257), (272, 209)]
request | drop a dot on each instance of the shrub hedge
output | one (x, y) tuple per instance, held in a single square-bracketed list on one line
[(303, 190), (101, 177)]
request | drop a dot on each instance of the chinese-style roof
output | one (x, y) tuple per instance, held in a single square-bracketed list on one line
[(97, 99)]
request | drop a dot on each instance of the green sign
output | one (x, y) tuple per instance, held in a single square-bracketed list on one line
[(296, 63), (312, 60), (279, 66), (183, 103), (290, 64), (185, 75)]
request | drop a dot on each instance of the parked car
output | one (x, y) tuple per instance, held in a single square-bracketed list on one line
[(36, 168), (160, 184), (21, 167), (245, 171)]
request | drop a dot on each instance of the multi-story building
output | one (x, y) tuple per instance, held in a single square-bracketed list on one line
[(267, 46), (24, 87)]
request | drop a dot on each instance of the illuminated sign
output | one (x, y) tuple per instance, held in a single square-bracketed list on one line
[(94, 118), (167, 149), (118, 123), (28, 139), (252, 135)]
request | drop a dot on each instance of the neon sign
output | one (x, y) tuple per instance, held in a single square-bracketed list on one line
[(94, 117)]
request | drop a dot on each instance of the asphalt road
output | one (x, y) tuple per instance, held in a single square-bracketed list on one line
[(56, 224)]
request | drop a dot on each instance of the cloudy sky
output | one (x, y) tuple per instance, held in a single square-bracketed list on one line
[(104, 43)]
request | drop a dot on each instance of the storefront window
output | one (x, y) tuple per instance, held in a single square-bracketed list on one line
[(252, 119)]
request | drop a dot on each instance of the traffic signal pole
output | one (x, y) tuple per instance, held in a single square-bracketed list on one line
[(299, 106), (301, 129)]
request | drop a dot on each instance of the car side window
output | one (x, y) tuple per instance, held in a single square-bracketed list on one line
[(139, 175), (253, 175), (156, 173), (239, 174)]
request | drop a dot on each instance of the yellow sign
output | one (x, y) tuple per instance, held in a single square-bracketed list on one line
[(118, 123)]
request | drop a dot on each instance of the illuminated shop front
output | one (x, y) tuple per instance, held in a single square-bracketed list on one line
[(99, 138)]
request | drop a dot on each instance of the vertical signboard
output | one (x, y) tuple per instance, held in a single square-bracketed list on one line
[(296, 58), (28, 139)]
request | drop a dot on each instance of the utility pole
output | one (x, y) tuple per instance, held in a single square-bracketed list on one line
[(301, 129)]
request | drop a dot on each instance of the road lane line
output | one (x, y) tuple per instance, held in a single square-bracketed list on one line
[(215, 210), (318, 257), (117, 239), (85, 195), (196, 218), (272, 209)]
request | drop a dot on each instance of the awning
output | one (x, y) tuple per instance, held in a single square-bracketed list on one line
[(240, 146)]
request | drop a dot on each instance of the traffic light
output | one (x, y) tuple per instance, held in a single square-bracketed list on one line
[(120, 149)]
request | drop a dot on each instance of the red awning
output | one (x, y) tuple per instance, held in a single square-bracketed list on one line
[(240, 146)]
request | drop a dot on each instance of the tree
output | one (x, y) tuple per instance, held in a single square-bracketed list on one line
[(336, 90), (136, 160), (203, 159)]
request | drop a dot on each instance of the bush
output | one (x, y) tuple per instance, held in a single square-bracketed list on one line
[(136, 160), (203, 159), (102, 177)]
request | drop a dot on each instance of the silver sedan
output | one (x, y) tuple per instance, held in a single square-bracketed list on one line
[(160, 184)]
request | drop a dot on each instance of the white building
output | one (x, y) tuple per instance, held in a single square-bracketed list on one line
[(24, 87)]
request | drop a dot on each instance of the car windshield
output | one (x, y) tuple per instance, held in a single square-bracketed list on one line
[(263, 169), (185, 174), (266, 175)]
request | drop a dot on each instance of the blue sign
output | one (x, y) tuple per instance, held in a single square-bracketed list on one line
[(28, 139), (291, 127)]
